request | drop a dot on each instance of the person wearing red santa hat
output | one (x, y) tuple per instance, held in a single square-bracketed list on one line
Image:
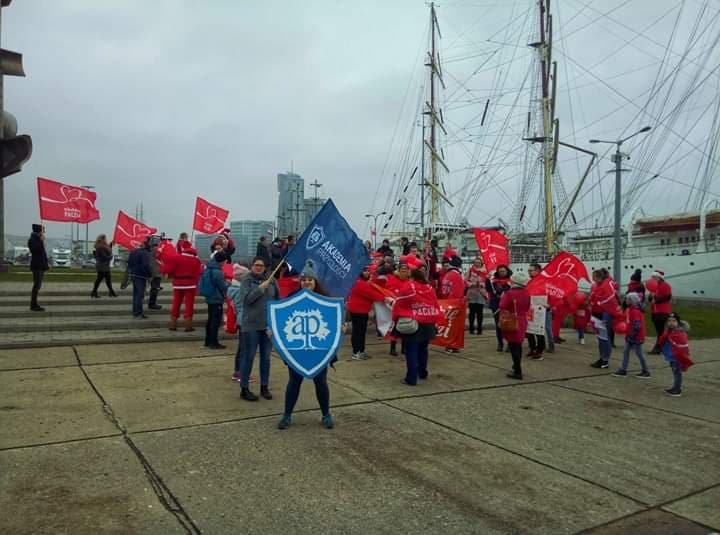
[(225, 244), (185, 270), (452, 286), (661, 307), (182, 240)]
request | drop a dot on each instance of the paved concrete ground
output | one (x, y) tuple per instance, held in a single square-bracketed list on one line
[(153, 438)]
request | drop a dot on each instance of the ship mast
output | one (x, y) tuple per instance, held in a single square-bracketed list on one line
[(547, 103), (434, 114)]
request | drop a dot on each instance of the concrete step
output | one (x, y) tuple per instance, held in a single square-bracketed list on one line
[(110, 308), (41, 323), (164, 298), (17, 340)]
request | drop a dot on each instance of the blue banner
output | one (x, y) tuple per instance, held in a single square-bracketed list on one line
[(337, 252), (307, 330)]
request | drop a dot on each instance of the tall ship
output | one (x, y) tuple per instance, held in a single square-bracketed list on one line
[(501, 134)]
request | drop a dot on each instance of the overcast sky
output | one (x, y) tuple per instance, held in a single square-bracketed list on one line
[(157, 102)]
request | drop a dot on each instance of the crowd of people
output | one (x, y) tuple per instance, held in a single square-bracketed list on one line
[(411, 283)]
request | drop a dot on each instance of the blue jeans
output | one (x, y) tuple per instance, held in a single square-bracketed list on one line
[(239, 352), (677, 375), (548, 330), (638, 348), (138, 295), (581, 334), (605, 349), (251, 340), (292, 392), (212, 325), (416, 359)]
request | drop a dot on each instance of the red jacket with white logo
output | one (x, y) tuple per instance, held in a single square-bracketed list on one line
[(185, 270), (419, 302), (362, 296), (604, 299), (452, 285), (635, 325)]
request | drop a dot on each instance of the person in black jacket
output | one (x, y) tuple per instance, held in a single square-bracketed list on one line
[(38, 263), (263, 250), (140, 271), (103, 256), (386, 250)]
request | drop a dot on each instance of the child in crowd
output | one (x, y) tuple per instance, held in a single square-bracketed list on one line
[(604, 347), (635, 337), (673, 343), (239, 271), (581, 318)]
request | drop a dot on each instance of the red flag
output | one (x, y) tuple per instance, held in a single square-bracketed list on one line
[(129, 232), (493, 247), (61, 202), (209, 218), (452, 334), (559, 278)]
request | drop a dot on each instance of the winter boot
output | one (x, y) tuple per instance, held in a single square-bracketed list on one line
[(189, 325), (265, 392), (173, 324)]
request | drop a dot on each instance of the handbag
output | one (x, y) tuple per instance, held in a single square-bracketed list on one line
[(508, 320), (406, 326)]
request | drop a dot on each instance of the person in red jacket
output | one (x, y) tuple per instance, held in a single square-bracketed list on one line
[(675, 348), (362, 296), (635, 337), (516, 300), (185, 270), (452, 286), (417, 301), (398, 283), (661, 307)]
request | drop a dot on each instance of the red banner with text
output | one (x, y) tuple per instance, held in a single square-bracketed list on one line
[(452, 334), (209, 218), (129, 232), (493, 247), (62, 202)]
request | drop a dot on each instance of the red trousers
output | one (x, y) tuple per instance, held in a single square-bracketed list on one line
[(183, 296)]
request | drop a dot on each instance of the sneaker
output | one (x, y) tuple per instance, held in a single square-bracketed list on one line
[(600, 364), (247, 395), (673, 393), (619, 373), (235, 377), (499, 348), (450, 350), (365, 355), (537, 356), (265, 392), (643, 375), (328, 422), (531, 354), (216, 346), (358, 356), (284, 422), (37, 308), (155, 307), (581, 341), (513, 375)]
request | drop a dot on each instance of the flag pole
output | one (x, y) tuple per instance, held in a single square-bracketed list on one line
[(272, 275)]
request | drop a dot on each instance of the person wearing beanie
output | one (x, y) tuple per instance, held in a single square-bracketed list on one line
[(184, 270), (661, 307), (452, 286), (213, 288), (495, 287), (515, 302), (309, 282), (255, 292), (636, 286), (38, 263), (239, 273), (676, 349), (635, 337)]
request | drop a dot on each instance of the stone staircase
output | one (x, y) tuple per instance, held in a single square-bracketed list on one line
[(72, 317)]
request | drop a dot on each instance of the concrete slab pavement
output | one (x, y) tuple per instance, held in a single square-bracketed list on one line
[(379, 471), (630, 449), (110, 353), (46, 357), (173, 393), (703, 507), (50, 405), (81, 488)]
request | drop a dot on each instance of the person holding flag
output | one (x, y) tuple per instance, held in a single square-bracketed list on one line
[(362, 296), (496, 287)]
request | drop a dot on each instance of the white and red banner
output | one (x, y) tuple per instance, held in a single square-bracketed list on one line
[(536, 314), (129, 232), (62, 202), (452, 334), (493, 247), (559, 278), (209, 218)]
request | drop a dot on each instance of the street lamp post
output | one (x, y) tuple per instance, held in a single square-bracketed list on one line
[(375, 218), (85, 247), (617, 237)]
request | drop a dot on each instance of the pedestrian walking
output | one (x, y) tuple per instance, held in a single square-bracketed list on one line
[(635, 336), (676, 349), (103, 257), (512, 311), (38, 264)]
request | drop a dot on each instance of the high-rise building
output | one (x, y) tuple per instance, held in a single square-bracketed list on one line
[(202, 244), (291, 204), (246, 234)]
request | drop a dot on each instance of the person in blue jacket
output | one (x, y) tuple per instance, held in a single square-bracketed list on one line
[(214, 287)]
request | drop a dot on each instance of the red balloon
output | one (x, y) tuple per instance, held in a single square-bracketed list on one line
[(652, 285), (620, 327)]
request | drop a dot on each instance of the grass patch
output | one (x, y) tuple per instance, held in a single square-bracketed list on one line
[(23, 274), (704, 321)]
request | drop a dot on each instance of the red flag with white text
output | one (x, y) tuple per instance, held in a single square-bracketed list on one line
[(560, 277), (62, 202), (129, 232), (493, 247), (209, 218)]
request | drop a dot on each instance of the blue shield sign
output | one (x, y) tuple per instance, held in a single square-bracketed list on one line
[(307, 330)]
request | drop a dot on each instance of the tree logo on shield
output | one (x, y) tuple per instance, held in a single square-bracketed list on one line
[(306, 325), (317, 235)]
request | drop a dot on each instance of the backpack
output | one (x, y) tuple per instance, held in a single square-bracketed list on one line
[(206, 286)]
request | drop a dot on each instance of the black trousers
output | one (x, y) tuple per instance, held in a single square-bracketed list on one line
[(103, 275), (536, 342), (476, 314), (516, 354), (322, 391), (215, 314), (38, 275), (659, 321), (359, 331), (498, 332), (154, 291)]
